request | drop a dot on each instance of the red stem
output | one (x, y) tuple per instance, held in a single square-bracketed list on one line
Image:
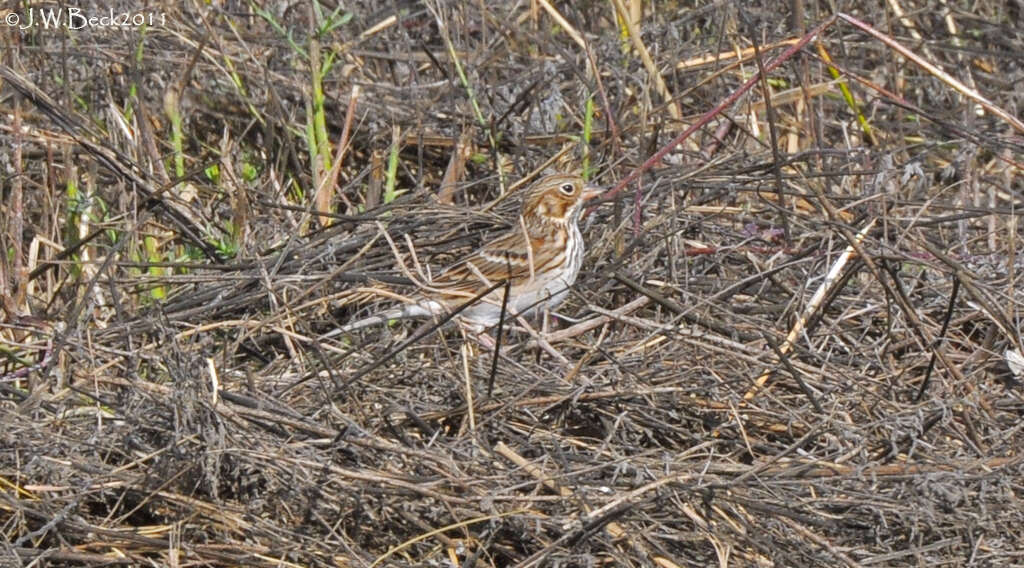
[(718, 109)]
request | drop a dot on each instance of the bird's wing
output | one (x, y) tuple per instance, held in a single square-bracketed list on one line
[(516, 255)]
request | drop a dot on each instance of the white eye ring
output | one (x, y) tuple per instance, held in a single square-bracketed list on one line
[(567, 188)]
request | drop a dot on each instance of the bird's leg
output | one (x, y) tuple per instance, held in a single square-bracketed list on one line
[(486, 341), (478, 334), (541, 342)]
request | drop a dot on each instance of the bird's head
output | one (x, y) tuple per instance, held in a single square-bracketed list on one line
[(557, 198)]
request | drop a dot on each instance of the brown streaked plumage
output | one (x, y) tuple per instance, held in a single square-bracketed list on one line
[(541, 255)]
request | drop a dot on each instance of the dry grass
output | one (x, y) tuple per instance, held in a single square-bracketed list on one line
[(787, 344)]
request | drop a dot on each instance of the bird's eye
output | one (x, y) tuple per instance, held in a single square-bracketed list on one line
[(567, 188)]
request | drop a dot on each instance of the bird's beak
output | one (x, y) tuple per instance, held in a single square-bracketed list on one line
[(591, 191)]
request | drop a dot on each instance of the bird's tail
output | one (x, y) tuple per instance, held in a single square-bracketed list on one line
[(377, 319), (400, 312)]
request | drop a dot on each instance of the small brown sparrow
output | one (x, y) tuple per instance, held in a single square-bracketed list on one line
[(541, 256)]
